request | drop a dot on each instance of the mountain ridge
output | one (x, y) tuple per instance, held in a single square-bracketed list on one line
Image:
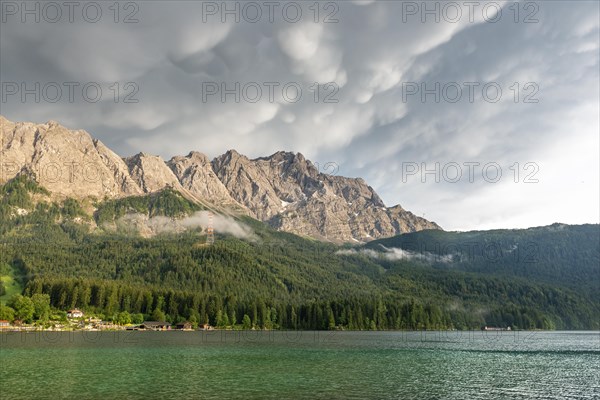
[(284, 190)]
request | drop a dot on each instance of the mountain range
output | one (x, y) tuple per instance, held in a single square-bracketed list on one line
[(284, 190)]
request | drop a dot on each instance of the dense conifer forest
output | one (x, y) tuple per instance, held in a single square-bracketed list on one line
[(540, 278)]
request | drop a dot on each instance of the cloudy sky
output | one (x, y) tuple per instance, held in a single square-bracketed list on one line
[(384, 89)]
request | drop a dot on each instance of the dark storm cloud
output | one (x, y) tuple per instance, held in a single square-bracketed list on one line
[(372, 53)]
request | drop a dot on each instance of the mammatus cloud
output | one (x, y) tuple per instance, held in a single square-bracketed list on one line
[(371, 127), (160, 224)]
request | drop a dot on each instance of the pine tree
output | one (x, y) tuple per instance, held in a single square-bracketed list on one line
[(246, 323)]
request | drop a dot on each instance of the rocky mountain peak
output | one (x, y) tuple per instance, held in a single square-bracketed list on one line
[(234, 155), (197, 156), (287, 191), (151, 173), (67, 163), (196, 175)]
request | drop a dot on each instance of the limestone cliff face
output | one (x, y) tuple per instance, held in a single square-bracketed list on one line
[(195, 174), (151, 173), (284, 190), (266, 185), (67, 163), (287, 191)]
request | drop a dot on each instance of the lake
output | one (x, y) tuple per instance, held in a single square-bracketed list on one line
[(300, 365)]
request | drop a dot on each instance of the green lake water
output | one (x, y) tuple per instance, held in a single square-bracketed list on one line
[(300, 365)]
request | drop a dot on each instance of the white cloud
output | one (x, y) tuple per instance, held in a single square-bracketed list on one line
[(301, 41), (395, 254), (159, 224)]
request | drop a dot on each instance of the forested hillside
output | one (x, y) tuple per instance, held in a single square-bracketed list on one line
[(564, 255), (280, 280)]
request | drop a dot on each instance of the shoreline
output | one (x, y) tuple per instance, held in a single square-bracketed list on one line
[(124, 329)]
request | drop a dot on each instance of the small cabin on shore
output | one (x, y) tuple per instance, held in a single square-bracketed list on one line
[(155, 326), (205, 327), (4, 324), (74, 313), (184, 326)]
